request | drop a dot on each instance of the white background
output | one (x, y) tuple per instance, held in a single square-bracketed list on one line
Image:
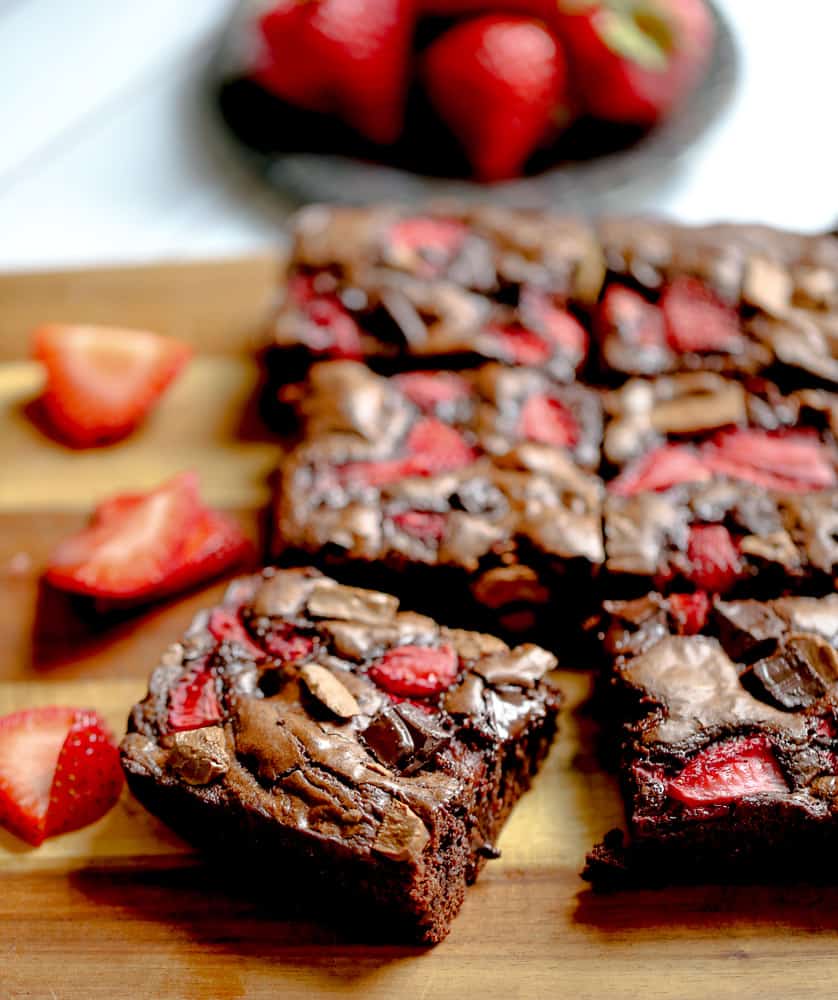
[(105, 153)]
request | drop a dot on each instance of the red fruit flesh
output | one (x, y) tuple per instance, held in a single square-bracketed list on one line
[(433, 447), (215, 544), (102, 381), (661, 469), (697, 320), (548, 421), (689, 611), (428, 391), (540, 312), (496, 81), (193, 702), (520, 346), (628, 315), (435, 242), (88, 777), (373, 473), (288, 645), (415, 671), (328, 327), (225, 626), (429, 526), (714, 560), (132, 546), (793, 461), (729, 771)]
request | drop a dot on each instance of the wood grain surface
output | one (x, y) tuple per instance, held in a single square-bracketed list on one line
[(125, 909)]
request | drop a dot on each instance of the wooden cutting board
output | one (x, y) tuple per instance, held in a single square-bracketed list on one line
[(126, 909)]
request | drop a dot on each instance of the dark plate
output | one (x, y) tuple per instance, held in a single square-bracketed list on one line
[(296, 152)]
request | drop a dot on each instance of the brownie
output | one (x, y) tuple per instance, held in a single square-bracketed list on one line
[(475, 520), (447, 287), (727, 297), (729, 758), (314, 735)]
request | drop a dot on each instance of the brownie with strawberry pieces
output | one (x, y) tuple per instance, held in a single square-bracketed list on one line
[(360, 752), (729, 740), (727, 298), (404, 290), (486, 521)]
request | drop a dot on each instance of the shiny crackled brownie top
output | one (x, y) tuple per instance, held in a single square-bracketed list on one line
[(328, 707)]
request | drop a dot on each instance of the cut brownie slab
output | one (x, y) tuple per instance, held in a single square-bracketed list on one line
[(728, 298), (445, 287), (486, 518), (729, 761), (319, 733)]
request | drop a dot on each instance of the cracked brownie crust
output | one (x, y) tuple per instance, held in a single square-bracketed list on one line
[(316, 729)]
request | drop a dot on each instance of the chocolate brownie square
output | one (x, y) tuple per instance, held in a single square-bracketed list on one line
[(729, 760), (726, 298), (442, 288), (487, 515), (323, 737)]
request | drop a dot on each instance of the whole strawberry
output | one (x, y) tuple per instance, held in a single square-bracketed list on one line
[(343, 57), (499, 83)]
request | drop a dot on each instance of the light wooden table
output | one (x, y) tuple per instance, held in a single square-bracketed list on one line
[(106, 153)]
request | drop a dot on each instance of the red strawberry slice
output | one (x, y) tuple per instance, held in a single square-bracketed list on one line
[(415, 671), (791, 460), (433, 447), (697, 320), (630, 317), (225, 626), (215, 544), (661, 469), (689, 611), (288, 645), (546, 419), (519, 345), (429, 526), (429, 243), (102, 381), (714, 558), (88, 776), (193, 702), (729, 771), (430, 390), (132, 548), (328, 328), (540, 313), (40, 760)]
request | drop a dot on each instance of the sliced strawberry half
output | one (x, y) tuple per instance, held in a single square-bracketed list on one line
[(226, 626), (689, 612), (661, 469), (193, 701), (790, 460), (433, 447), (713, 556), (88, 777), (415, 671), (328, 327), (627, 314), (131, 548), (427, 525), (729, 771), (697, 320), (433, 242), (430, 390), (215, 544), (59, 770), (102, 381), (547, 420), (540, 312)]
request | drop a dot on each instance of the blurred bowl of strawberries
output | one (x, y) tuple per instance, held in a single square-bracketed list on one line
[(541, 101)]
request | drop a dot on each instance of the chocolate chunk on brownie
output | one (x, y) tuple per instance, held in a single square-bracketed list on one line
[(486, 518), (727, 298), (405, 290), (331, 741), (728, 718)]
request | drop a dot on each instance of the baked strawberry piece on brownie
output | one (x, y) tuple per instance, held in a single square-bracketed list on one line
[(726, 298), (490, 517), (315, 731), (404, 290), (729, 760)]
